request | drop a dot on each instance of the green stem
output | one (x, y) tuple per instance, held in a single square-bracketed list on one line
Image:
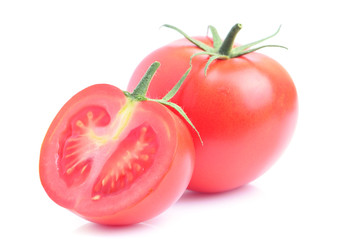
[(228, 43), (139, 93), (141, 89), (223, 49)]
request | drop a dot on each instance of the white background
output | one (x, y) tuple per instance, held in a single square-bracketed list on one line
[(49, 50)]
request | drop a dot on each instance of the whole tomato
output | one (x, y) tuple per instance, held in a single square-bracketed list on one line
[(115, 157), (243, 103)]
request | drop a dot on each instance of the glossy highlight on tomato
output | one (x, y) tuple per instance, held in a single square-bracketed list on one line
[(114, 160), (244, 107)]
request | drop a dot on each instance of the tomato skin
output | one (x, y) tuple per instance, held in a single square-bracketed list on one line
[(245, 110), (142, 201)]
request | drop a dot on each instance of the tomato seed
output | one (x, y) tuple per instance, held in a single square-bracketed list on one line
[(83, 169), (90, 115), (130, 177), (80, 124), (104, 181), (144, 157), (129, 165), (96, 197), (137, 167)]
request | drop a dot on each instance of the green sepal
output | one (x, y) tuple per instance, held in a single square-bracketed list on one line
[(181, 112), (244, 49), (224, 49), (139, 93), (170, 94), (200, 44), (174, 90), (216, 38), (257, 48), (211, 59)]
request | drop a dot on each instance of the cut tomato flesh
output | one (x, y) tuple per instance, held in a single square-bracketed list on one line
[(76, 148), (132, 158), (104, 153)]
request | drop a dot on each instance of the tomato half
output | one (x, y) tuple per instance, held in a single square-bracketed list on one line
[(245, 110), (114, 160)]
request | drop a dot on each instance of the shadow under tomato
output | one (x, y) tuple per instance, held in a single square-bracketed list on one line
[(247, 191), (188, 198), (93, 229)]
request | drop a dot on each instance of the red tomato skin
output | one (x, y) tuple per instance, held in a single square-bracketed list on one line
[(245, 110), (171, 185)]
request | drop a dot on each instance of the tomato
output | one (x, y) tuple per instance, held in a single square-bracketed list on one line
[(115, 160), (245, 109)]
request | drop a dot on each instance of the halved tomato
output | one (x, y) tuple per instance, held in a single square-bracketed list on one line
[(115, 160)]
